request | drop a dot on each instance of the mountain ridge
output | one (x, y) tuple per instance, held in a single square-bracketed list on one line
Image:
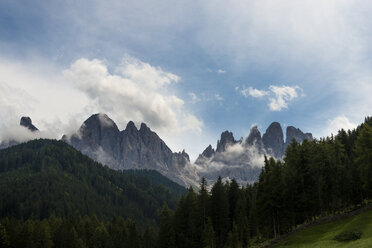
[(242, 159), (131, 148)]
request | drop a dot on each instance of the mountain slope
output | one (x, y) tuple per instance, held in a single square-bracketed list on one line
[(47, 177), (132, 148), (323, 235)]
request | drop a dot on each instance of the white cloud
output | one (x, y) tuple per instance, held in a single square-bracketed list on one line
[(38, 90), (138, 93), (283, 95), (278, 96), (238, 161), (58, 104), (254, 92), (218, 97), (143, 73), (338, 123), (194, 97), (220, 71)]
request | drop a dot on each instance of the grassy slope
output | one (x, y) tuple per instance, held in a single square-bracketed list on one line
[(321, 236)]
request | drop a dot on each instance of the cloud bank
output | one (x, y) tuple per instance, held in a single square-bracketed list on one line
[(240, 161), (137, 91), (58, 100)]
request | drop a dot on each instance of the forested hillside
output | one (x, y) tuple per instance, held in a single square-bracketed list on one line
[(45, 178), (318, 177)]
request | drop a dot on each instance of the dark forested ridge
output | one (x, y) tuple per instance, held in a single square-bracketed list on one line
[(42, 178), (319, 177), (316, 178)]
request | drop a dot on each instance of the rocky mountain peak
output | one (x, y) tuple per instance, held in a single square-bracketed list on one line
[(297, 134), (144, 128), (254, 136), (185, 155), (309, 136), (131, 148), (101, 121), (227, 138), (293, 132), (131, 128), (273, 140), (97, 131), (208, 152), (27, 123)]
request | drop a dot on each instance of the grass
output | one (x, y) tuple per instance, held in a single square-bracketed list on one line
[(322, 236)]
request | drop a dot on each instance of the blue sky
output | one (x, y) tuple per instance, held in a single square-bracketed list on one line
[(190, 69)]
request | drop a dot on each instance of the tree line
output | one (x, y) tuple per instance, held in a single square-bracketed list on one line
[(44, 178), (74, 232), (315, 178)]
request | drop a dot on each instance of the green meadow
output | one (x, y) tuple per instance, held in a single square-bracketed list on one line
[(322, 236)]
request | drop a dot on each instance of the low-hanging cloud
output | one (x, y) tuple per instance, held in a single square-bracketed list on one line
[(239, 155), (137, 92), (12, 101), (240, 161)]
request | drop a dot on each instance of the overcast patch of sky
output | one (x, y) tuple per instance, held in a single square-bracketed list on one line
[(321, 46)]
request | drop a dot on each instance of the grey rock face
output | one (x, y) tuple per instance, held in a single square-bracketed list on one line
[(273, 140), (100, 139), (297, 134), (206, 154), (309, 136), (243, 160), (27, 122), (233, 159), (254, 138), (227, 138), (133, 148)]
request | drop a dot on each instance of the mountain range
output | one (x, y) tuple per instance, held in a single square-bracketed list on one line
[(242, 159), (132, 148)]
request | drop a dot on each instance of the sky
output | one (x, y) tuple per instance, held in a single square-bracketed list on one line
[(188, 69)]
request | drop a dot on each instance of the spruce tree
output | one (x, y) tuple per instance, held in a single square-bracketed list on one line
[(219, 212)]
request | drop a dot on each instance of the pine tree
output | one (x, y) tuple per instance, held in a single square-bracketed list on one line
[(203, 202), (4, 237), (219, 212), (363, 151), (166, 236), (149, 238), (208, 236), (233, 238), (41, 236), (233, 196)]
